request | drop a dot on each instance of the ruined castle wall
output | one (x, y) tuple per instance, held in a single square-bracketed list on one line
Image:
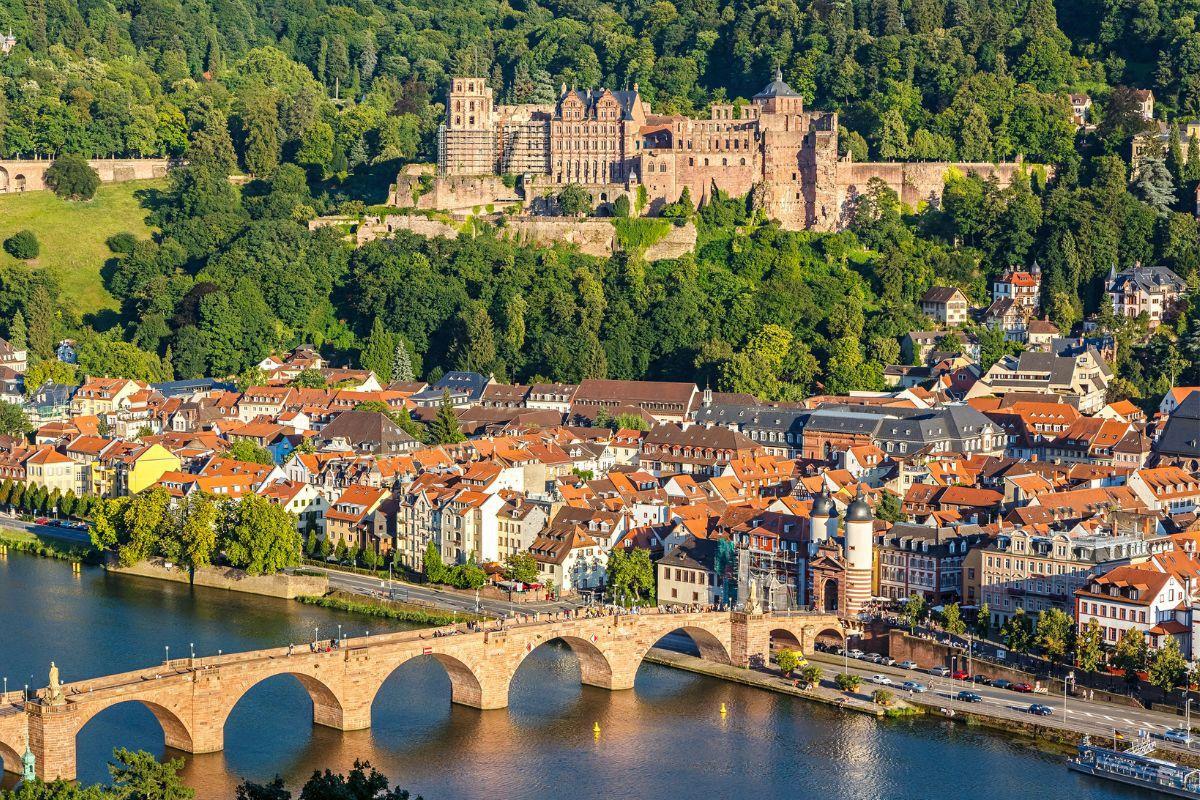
[(595, 237), (915, 183), (466, 193)]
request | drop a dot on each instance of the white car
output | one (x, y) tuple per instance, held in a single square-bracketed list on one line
[(855, 653), (914, 686), (941, 672), (882, 680)]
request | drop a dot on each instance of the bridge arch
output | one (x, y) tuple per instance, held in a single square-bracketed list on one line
[(327, 706), (177, 734), (466, 687), (18, 183), (3, 180), (783, 639), (710, 643), (10, 759), (595, 666)]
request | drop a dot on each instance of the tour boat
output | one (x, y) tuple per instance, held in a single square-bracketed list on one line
[(1136, 768)]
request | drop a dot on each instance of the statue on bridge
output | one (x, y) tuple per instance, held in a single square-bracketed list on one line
[(54, 692), (752, 606)]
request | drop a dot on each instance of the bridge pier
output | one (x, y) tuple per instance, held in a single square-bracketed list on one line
[(52, 732)]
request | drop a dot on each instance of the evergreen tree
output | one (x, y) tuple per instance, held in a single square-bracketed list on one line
[(445, 428), (17, 335), (402, 367), (42, 315), (379, 352), (1153, 182)]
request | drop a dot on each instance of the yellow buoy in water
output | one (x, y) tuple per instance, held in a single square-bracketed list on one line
[(723, 711)]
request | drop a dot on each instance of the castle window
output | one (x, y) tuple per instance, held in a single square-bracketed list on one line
[(724, 162), (743, 162), (691, 162)]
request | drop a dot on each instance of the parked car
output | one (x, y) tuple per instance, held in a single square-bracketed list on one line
[(1023, 688), (914, 686), (820, 647), (1041, 710), (882, 680), (1177, 735), (907, 665), (961, 675), (941, 672), (855, 653), (837, 649), (982, 680), (1001, 683), (968, 697), (42, 521), (887, 661)]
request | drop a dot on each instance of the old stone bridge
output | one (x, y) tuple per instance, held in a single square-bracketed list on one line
[(192, 698)]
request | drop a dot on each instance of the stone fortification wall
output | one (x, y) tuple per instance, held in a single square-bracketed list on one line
[(914, 182), (30, 175), (235, 580), (465, 193), (595, 237)]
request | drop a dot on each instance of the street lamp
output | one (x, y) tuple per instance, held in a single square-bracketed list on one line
[(340, 639), (192, 646), (167, 652)]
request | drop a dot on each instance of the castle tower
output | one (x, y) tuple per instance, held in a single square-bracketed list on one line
[(468, 136), (860, 541)]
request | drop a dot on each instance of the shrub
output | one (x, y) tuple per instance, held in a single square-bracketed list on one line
[(620, 206), (122, 243), (787, 660), (72, 178), (23, 245), (847, 682), (883, 697)]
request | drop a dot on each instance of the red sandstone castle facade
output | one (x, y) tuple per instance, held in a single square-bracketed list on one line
[(611, 143)]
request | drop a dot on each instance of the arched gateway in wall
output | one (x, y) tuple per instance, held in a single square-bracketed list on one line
[(193, 698)]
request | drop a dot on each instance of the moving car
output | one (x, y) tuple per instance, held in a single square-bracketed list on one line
[(968, 697), (914, 686), (882, 680), (1041, 710), (1023, 688), (907, 665), (941, 672)]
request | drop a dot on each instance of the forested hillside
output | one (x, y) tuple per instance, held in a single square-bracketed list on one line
[(314, 99)]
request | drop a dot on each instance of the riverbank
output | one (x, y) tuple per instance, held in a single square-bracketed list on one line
[(763, 680), (385, 609), (1046, 734), (47, 547), (286, 585)]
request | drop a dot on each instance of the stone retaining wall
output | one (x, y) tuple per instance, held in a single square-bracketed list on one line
[(593, 236), (235, 580), (29, 175)]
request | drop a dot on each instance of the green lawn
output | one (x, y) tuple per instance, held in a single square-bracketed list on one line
[(72, 237)]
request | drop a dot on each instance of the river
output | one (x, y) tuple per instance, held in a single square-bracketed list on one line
[(664, 739)]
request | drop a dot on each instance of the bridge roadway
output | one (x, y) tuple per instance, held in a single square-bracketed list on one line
[(192, 698)]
